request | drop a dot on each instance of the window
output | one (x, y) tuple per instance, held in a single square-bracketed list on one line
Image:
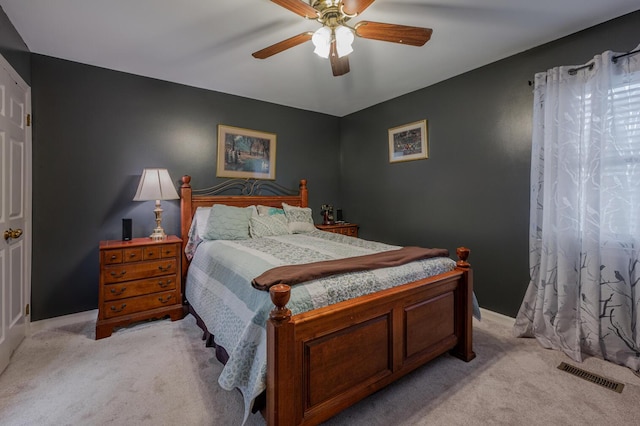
[(620, 184)]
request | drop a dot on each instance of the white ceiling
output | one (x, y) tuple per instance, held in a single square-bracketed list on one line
[(208, 43)]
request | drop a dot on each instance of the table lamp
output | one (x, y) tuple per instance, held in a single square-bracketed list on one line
[(156, 184)]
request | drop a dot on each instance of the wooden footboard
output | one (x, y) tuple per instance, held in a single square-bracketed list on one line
[(322, 361)]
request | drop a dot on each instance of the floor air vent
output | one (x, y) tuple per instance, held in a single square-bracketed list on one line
[(593, 378)]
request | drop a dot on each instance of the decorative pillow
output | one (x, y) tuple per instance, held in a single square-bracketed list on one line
[(300, 219), (268, 210), (228, 222), (266, 226)]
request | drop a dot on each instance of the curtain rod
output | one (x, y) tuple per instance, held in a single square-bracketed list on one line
[(624, 55), (574, 71)]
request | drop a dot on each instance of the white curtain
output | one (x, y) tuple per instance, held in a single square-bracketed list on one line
[(584, 236)]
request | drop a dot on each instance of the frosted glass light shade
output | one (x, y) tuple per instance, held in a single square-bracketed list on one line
[(322, 41), (344, 38)]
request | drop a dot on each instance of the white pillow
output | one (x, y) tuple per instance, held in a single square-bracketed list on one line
[(300, 219), (200, 219)]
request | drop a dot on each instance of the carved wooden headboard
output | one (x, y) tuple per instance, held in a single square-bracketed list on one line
[(251, 192)]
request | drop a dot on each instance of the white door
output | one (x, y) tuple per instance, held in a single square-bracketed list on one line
[(15, 204)]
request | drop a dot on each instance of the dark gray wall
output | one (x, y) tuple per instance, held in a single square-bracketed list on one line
[(14, 49), (474, 188), (96, 129)]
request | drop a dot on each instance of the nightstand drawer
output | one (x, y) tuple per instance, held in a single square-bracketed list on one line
[(349, 229), (352, 231), (132, 255), (158, 252), (169, 250), (111, 257), (137, 288), (140, 270), (132, 305), (150, 253)]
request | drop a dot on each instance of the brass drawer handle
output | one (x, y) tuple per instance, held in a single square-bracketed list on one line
[(118, 275), (132, 255), (114, 257), (165, 268), (164, 284), (114, 309), (169, 297), (118, 293)]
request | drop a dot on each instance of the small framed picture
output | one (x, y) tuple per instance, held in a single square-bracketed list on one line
[(244, 153), (409, 142)]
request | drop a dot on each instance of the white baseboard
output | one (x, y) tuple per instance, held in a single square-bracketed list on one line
[(51, 323), (495, 316)]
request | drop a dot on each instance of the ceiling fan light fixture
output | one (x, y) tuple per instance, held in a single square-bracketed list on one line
[(322, 41), (344, 39)]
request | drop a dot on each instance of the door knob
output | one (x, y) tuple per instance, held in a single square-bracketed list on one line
[(12, 233)]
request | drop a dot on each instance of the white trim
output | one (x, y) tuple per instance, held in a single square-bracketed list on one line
[(495, 316), (51, 323), (27, 236)]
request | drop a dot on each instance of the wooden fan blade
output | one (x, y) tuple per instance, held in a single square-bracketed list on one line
[(355, 7), (339, 66), (283, 45), (413, 36), (298, 7)]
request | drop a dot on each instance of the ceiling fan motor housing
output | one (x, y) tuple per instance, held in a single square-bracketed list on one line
[(330, 13)]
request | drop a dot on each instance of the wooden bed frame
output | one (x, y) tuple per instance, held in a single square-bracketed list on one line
[(322, 361)]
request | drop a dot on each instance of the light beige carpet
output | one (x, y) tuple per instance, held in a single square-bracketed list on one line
[(160, 373)]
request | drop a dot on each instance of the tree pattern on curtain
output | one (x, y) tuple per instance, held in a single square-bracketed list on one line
[(584, 236)]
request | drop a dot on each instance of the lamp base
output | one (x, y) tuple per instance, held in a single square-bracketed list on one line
[(158, 235), (158, 232)]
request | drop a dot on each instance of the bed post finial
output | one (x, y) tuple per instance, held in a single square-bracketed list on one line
[(186, 181), (463, 255), (280, 294)]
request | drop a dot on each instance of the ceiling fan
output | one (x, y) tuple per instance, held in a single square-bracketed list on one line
[(334, 38)]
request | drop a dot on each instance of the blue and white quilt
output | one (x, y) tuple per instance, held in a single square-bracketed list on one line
[(219, 289)]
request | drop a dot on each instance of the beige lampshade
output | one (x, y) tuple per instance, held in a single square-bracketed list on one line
[(155, 184)]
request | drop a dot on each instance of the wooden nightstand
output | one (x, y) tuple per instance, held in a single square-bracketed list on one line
[(350, 229), (139, 279)]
